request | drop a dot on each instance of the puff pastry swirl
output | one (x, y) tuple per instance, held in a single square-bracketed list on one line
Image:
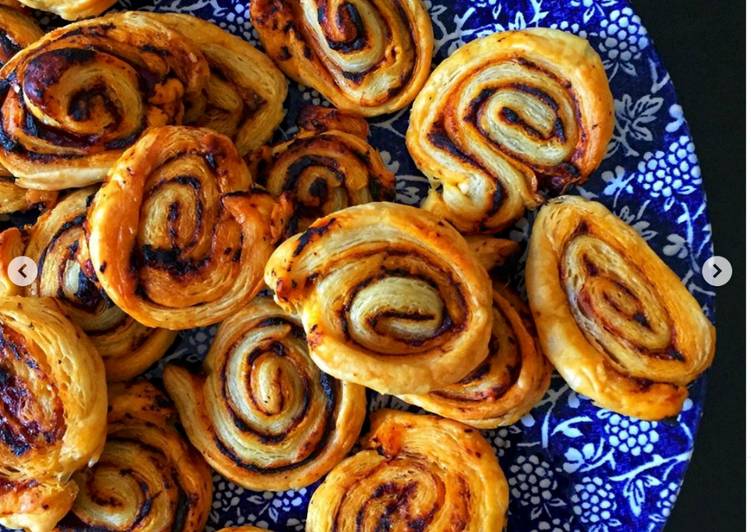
[(71, 9), (177, 239), (614, 320), (264, 415), (507, 384), (246, 91), (17, 30), (53, 411), (390, 296), (414, 472), (369, 57), (148, 477), (504, 116), (77, 98), (58, 244), (15, 199), (326, 167)]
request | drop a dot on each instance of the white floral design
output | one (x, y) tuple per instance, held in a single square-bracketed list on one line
[(594, 504), (623, 38)]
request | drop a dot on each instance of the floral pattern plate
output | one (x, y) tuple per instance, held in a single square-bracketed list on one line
[(570, 465)]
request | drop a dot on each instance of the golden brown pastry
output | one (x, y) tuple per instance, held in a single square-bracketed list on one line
[(71, 9), (390, 296), (370, 57), (78, 97), (507, 384), (263, 415), (327, 166), (414, 472), (504, 116), (176, 237), (149, 477), (614, 320), (58, 244), (246, 92), (18, 29), (16, 199), (53, 411), (11, 246)]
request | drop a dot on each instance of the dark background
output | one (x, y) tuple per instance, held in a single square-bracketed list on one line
[(702, 44)]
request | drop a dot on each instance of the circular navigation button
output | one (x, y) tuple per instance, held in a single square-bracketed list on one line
[(22, 271), (717, 271)]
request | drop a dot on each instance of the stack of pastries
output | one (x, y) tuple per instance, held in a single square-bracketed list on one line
[(147, 142)]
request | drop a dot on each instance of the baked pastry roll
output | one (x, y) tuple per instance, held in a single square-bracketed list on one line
[(15, 199), (78, 97), (245, 93), (149, 477), (177, 239), (505, 386), (58, 244), (17, 30), (53, 412), (263, 415), (326, 167), (369, 57), (390, 296), (414, 472), (504, 116), (71, 9), (615, 321)]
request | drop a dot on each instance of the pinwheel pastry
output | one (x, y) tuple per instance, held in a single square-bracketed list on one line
[(414, 473), (327, 166), (246, 92), (58, 245), (53, 411), (263, 414), (71, 9), (149, 477), (390, 296), (370, 57), (15, 199), (508, 383), (11, 246), (77, 98), (505, 116), (614, 320), (177, 239)]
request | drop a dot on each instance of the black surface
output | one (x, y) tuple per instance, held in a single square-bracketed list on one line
[(702, 45)]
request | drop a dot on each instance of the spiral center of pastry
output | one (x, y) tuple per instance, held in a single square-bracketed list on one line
[(129, 488), (31, 412), (615, 304), (410, 310)]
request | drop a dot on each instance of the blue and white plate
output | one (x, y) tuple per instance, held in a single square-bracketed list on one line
[(570, 465)]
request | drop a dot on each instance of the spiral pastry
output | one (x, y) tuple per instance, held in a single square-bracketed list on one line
[(369, 57), (264, 415), (390, 296), (148, 477), (58, 245), (177, 240), (71, 9), (324, 168), (15, 199), (53, 411), (505, 115), (507, 384), (73, 101), (246, 92), (615, 321), (414, 473)]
